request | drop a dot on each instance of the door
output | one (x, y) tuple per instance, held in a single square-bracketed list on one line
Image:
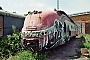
[(87, 28), (1, 26)]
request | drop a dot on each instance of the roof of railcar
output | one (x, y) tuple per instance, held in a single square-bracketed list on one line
[(81, 13), (62, 12), (6, 13)]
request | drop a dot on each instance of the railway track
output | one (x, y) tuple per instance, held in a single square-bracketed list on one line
[(67, 51)]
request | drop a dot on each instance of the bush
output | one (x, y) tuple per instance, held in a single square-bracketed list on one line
[(1, 8), (28, 55), (87, 38), (40, 56), (84, 43), (10, 45), (25, 55), (81, 45)]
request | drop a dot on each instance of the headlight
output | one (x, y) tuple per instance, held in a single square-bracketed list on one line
[(26, 34), (22, 34), (30, 35), (35, 34), (43, 33)]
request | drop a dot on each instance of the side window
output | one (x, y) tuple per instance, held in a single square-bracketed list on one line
[(64, 27), (71, 27), (60, 25)]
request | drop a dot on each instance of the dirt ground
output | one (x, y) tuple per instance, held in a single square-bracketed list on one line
[(67, 51)]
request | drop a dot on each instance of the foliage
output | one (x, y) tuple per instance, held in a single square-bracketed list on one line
[(40, 56), (27, 13), (81, 45), (71, 55), (10, 44), (0, 8), (25, 55), (28, 55), (14, 12), (85, 41), (10, 47), (13, 28)]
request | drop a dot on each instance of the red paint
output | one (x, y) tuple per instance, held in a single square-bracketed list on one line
[(41, 20)]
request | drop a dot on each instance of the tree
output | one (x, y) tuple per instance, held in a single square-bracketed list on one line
[(1, 8), (27, 13), (14, 12)]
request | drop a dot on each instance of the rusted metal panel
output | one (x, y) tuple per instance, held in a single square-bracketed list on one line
[(83, 28), (87, 28), (1, 26), (9, 21)]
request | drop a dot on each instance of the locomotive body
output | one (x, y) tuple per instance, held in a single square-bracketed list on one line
[(47, 29)]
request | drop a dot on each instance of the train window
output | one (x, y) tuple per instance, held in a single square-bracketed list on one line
[(60, 25), (56, 24), (68, 28), (71, 26), (75, 28)]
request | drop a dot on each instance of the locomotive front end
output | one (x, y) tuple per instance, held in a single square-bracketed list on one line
[(33, 39)]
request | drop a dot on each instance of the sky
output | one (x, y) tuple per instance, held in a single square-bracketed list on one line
[(23, 6)]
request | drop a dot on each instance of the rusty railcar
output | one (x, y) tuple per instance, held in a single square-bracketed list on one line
[(7, 19)]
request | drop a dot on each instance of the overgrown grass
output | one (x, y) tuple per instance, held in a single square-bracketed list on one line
[(28, 55), (71, 55), (23, 55)]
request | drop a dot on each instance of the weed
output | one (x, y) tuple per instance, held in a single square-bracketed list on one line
[(81, 45), (28, 55), (71, 55), (84, 42), (10, 44), (25, 55)]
